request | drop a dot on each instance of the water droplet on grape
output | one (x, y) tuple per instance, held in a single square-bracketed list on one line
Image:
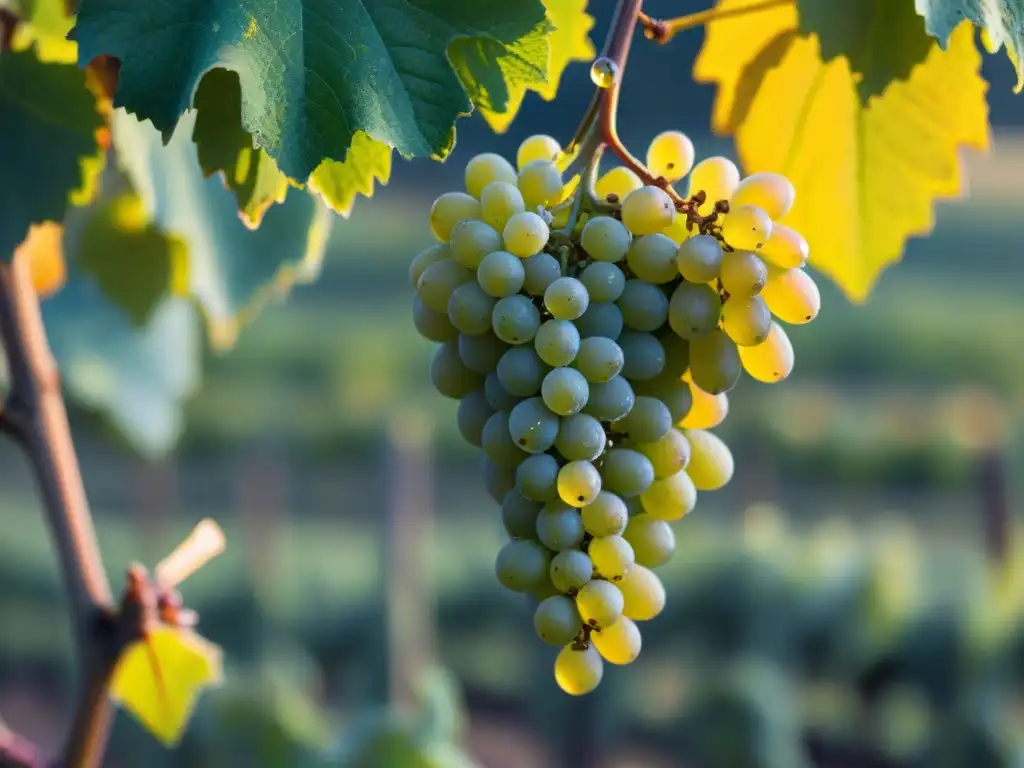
[(604, 72)]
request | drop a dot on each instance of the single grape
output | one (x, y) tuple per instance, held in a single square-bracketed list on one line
[(566, 298), (471, 416), (570, 570), (600, 603), (424, 259), (532, 426), (653, 540), (671, 390), (499, 202), (498, 444), (432, 325), (699, 259), (519, 513), (557, 620), (743, 273), (619, 181), (671, 498), (498, 480), (604, 72), (644, 306), (578, 672), (599, 359), (485, 168), (449, 374), (611, 556), (707, 410), (643, 594), (746, 227), (559, 526), (515, 319), (539, 594), (711, 462), (525, 234), (603, 281), (537, 147), (605, 239), (580, 438), (694, 310), (792, 296), (773, 193), (717, 178), (537, 478), (501, 274), (557, 342), (669, 454), (522, 565), (670, 155), (626, 472), (540, 182), (605, 516), (448, 210), (785, 248), (647, 210), (746, 321), (715, 362), (648, 421), (471, 240), (610, 400), (653, 258), (677, 353), (470, 308), (620, 643), (579, 482), (541, 271), (499, 398), (770, 361), (565, 391), (600, 319), (680, 230), (439, 281), (644, 355), (520, 371)]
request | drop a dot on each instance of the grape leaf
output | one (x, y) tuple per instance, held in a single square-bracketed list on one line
[(1001, 20), (312, 72), (866, 174), (367, 160), (48, 118), (44, 24)]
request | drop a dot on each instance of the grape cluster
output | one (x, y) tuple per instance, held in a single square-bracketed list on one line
[(590, 359)]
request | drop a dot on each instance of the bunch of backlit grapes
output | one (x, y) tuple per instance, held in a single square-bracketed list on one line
[(591, 357)]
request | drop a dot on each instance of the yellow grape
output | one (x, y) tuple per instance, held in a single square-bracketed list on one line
[(670, 155), (540, 183), (538, 147), (746, 227), (711, 463), (792, 296), (618, 181), (771, 192), (742, 273), (611, 556), (600, 603), (668, 455), (485, 168), (771, 360), (643, 594), (670, 499), (448, 210), (746, 320), (785, 248), (578, 672), (717, 177), (620, 643), (678, 232), (499, 202), (647, 210), (707, 410)]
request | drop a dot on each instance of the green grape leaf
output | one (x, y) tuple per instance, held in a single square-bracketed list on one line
[(312, 72), (367, 160), (49, 123), (1001, 21)]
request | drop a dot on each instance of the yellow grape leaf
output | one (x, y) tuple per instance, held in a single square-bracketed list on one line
[(569, 42), (159, 679), (46, 25), (367, 160), (866, 171), (44, 249)]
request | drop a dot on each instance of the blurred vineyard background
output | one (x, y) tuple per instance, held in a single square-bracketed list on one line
[(853, 599)]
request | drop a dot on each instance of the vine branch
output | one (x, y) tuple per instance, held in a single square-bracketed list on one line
[(663, 30)]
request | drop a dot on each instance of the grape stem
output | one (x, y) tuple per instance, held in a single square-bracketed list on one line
[(663, 30)]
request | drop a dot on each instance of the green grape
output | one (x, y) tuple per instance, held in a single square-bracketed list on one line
[(633, 506), (600, 319), (785, 248), (580, 438), (653, 540), (644, 306), (670, 155), (485, 168), (499, 398), (746, 321), (541, 271), (424, 259), (746, 227), (432, 325), (653, 258), (559, 526), (515, 319), (743, 273), (557, 342), (620, 643), (472, 240), (707, 410), (565, 391), (532, 426), (525, 234), (671, 390), (611, 556), (626, 472), (535, 596), (566, 298), (694, 310), (448, 210), (570, 570), (715, 362), (668, 454), (644, 355), (498, 444), (792, 296), (557, 620), (537, 147), (619, 181), (522, 565), (449, 374), (677, 353), (605, 516), (470, 308), (599, 359), (711, 462), (603, 281), (717, 178), (540, 183), (520, 372), (647, 210), (578, 672), (671, 498), (605, 239), (699, 259), (498, 480), (770, 361), (610, 400), (499, 202), (519, 513), (604, 72), (439, 281), (773, 193), (471, 416), (501, 274), (643, 594), (537, 478), (600, 603), (649, 420), (579, 483)]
